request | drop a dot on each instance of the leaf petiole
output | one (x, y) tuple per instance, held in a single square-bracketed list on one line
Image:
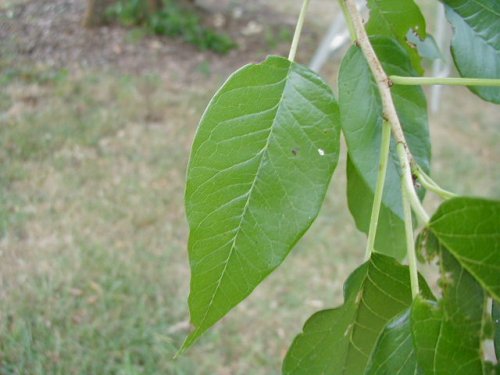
[(408, 185), (298, 31), (448, 81), (431, 185), (379, 189)]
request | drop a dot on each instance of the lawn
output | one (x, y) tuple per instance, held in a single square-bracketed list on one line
[(94, 274)]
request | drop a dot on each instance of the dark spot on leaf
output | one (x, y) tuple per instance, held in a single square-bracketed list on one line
[(295, 151)]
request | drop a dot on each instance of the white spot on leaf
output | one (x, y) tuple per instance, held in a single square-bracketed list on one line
[(321, 152)]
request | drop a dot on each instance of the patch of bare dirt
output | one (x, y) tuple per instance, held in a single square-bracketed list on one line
[(49, 33)]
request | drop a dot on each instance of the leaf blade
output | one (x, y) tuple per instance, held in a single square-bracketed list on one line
[(470, 229), (341, 340), (261, 162), (475, 45), (362, 119)]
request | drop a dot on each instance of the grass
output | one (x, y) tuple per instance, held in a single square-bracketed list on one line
[(93, 266)]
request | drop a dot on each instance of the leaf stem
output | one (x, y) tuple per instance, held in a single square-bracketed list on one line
[(348, 21), (381, 78), (431, 185), (449, 81), (379, 188), (410, 241), (407, 180), (388, 107), (298, 31)]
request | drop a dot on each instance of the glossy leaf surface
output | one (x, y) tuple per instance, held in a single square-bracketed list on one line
[(476, 45), (261, 161), (362, 120), (340, 341), (470, 229)]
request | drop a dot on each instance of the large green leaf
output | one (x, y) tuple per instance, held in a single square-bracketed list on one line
[(362, 120), (260, 165), (340, 341), (476, 46), (436, 337), (395, 19), (470, 229)]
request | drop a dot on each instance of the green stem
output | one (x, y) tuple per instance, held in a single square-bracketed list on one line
[(407, 180), (449, 81), (348, 20), (379, 189), (298, 31), (410, 242), (431, 185)]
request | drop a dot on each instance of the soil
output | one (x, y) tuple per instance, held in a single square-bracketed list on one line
[(49, 33)]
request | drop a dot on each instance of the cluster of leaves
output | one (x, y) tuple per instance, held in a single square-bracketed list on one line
[(261, 162), (170, 20)]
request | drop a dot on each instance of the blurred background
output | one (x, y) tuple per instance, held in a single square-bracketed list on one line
[(99, 102)]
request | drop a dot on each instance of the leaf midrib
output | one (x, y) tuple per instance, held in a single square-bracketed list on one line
[(249, 197)]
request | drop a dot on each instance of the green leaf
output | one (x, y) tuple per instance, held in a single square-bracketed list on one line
[(260, 165), (495, 315), (395, 19), (447, 335), (475, 45), (470, 229), (395, 351), (390, 231), (362, 120), (436, 338), (340, 341)]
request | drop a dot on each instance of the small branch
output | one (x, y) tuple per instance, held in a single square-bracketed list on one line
[(449, 81), (298, 31), (408, 186), (410, 241), (348, 21), (431, 185), (383, 82), (379, 189)]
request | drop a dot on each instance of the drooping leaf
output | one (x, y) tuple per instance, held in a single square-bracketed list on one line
[(441, 337), (470, 229), (475, 45), (340, 341), (260, 165), (495, 315), (394, 19), (362, 120), (390, 231)]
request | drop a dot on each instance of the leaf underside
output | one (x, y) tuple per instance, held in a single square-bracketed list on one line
[(261, 161), (340, 341), (362, 121), (475, 45)]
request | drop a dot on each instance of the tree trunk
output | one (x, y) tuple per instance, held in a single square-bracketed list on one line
[(96, 12)]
